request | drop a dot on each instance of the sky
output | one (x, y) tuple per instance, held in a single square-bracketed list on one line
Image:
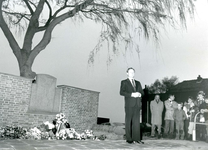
[(181, 53)]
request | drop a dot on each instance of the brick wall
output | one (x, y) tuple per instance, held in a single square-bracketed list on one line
[(79, 105)]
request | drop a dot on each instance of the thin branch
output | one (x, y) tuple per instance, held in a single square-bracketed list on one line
[(62, 8), (29, 7), (32, 4), (47, 35), (18, 14), (50, 13)]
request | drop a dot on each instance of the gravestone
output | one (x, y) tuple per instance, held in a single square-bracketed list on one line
[(45, 96)]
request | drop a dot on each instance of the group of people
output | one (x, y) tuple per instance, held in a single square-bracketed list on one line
[(179, 117)]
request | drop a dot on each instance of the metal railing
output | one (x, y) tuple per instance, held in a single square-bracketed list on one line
[(194, 128)]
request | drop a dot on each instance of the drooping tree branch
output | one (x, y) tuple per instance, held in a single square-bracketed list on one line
[(117, 18)]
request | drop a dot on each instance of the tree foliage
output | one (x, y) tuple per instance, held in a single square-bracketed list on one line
[(162, 86), (117, 17)]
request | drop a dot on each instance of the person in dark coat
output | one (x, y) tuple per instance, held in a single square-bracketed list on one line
[(132, 91)]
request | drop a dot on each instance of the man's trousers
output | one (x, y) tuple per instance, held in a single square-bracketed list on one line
[(153, 129), (180, 129), (132, 123), (169, 126)]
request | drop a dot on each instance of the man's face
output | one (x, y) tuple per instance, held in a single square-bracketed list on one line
[(130, 73), (172, 97), (179, 106), (157, 97), (189, 100), (200, 97)]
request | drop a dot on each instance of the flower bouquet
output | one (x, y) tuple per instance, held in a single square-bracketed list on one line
[(60, 123)]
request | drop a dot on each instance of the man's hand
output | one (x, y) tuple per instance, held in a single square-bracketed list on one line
[(204, 110), (136, 94), (192, 111)]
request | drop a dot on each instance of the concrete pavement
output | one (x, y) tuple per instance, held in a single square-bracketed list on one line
[(20, 144)]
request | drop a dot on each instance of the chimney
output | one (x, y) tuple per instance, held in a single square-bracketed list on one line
[(199, 79)]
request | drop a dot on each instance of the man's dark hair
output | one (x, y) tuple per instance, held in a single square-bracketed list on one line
[(181, 103), (190, 97), (201, 93), (130, 69), (171, 95), (157, 95)]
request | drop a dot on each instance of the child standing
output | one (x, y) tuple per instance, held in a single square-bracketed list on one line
[(188, 108), (179, 117)]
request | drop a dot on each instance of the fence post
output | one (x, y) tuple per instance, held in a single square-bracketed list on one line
[(194, 130)]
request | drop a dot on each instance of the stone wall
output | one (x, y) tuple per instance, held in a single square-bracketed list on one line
[(79, 105), (45, 96)]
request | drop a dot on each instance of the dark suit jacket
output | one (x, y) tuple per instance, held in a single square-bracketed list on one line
[(127, 89)]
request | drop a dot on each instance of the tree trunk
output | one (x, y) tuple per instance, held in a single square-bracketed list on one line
[(26, 71), (25, 65)]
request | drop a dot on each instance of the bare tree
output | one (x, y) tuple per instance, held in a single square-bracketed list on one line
[(116, 17)]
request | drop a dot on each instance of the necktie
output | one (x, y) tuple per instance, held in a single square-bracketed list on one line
[(133, 83)]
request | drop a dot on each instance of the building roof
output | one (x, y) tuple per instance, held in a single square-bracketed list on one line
[(191, 85)]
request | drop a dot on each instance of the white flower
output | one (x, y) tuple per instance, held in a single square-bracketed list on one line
[(64, 121), (57, 116), (50, 125)]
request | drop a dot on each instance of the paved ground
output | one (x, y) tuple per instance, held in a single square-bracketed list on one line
[(18, 144)]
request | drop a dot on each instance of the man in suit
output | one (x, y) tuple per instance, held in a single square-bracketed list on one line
[(132, 92)]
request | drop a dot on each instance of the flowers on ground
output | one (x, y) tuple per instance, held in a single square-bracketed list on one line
[(12, 132), (58, 129)]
